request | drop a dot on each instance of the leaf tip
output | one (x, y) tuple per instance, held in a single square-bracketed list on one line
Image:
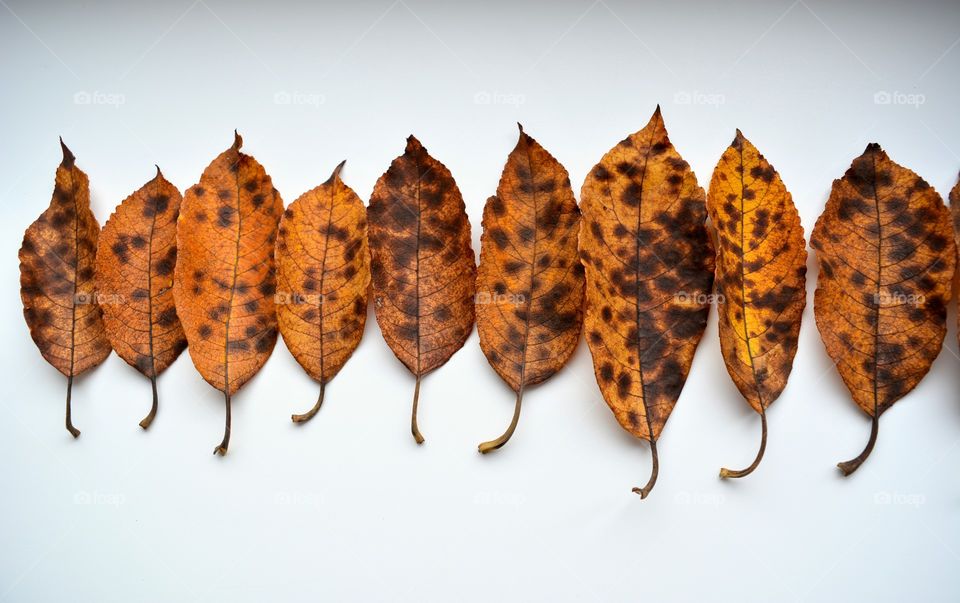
[(237, 140), (738, 140), (413, 144), (873, 147), (68, 157), (335, 176), (159, 173)]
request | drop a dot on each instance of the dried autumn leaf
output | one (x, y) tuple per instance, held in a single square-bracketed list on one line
[(57, 279), (760, 277), (225, 278), (323, 274), (649, 267), (135, 260), (886, 259), (530, 282), (422, 263)]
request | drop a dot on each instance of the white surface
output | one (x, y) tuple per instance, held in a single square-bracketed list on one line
[(347, 507)]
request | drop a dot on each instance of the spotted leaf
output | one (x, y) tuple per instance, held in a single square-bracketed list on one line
[(886, 254), (225, 277), (323, 274), (649, 267), (530, 282), (422, 263), (135, 261), (760, 277), (57, 280)]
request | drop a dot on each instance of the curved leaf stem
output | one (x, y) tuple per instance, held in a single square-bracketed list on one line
[(848, 467), (492, 445), (725, 473)]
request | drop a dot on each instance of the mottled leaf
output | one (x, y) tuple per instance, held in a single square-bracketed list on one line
[(323, 275), (225, 278), (760, 277), (422, 263), (649, 267), (530, 282), (886, 259), (57, 279), (135, 261)]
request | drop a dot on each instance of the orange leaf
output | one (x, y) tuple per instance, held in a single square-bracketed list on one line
[(135, 261), (323, 274), (530, 281), (760, 278), (225, 279), (887, 257), (422, 263), (649, 268), (57, 279)]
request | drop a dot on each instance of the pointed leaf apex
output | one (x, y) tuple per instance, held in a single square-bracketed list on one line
[(159, 173), (657, 110), (413, 144), (738, 140), (520, 126), (335, 176), (237, 140), (68, 158), (873, 147)]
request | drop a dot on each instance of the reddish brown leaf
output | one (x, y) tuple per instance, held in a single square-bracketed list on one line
[(530, 280), (225, 278), (887, 257), (323, 275), (57, 280), (135, 260), (422, 263), (649, 268)]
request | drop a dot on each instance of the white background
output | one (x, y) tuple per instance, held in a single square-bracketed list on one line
[(347, 506)]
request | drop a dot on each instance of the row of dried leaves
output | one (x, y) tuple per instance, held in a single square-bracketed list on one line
[(224, 269)]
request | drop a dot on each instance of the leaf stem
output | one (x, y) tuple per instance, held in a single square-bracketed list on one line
[(222, 448), (147, 420), (413, 417), (73, 430), (492, 445), (309, 414), (725, 473), (848, 467), (654, 472)]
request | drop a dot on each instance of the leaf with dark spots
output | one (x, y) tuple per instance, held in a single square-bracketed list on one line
[(322, 280), (137, 299), (880, 306), (417, 200), (529, 292), (57, 285), (760, 277), (238, 253), (650, 311)]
